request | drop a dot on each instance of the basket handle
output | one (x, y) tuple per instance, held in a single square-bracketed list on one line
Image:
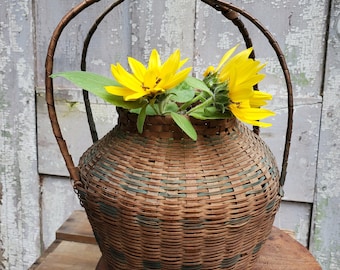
[(230, 11)]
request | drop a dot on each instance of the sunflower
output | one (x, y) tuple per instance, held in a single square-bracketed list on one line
[(240, 73), (148, 81)]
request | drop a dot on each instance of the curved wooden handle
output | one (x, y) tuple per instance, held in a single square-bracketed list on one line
[(231, 12), (74, 173), (73, 170)]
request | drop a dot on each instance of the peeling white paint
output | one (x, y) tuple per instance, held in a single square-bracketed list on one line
[(325, 242), (56, 191), (19, 179), (164, 25), (330, 126), (304, 42)]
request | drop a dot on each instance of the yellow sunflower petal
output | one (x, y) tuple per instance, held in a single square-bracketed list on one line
[(137, 68), (210, 69), (257, 103), (259, 99), (171, 65), (134, 96), (244, 82), (243, 55), (249, 67), (182, 62), (178, 78), (125, 78), (150, 80), (225, 57), (263, 95), (251, 115), (241, 94), (119, 91), (154, 60)]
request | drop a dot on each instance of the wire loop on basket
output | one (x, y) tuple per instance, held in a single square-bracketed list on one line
[(228, 10)]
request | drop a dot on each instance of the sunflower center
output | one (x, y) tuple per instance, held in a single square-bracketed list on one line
[(145, 88)]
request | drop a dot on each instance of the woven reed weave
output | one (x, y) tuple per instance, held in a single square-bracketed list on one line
[(162, 201)]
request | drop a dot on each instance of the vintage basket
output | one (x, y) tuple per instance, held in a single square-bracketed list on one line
[(159, 200)]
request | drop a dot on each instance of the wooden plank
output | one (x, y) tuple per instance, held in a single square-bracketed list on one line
[(68, 255), (300, 180), (72, 119), (300, 29), (282, 252), (19, 180), (110, 43), (325, 240), (56, 191), (295, 217), (159, 25), (76, 228)]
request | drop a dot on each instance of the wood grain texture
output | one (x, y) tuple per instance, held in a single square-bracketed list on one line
[(68, 255), (56, 191), (282, 252), (19, 180), (76, 228), (203, 35), (325, 240)]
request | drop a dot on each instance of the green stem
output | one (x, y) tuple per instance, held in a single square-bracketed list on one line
[(194, 100), (155, 108), (202, 105)]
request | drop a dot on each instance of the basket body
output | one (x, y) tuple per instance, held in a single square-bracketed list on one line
[(159, 200)]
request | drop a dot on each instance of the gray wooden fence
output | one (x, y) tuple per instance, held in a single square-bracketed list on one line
[(36, 195)]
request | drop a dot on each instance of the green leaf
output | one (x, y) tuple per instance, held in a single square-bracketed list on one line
[(185, 124), (205, 116), (141, 119), (171, 107), (198, 84), (210, 112), (182, 93), (95, 84)]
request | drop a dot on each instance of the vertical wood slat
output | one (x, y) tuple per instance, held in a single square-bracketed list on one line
[(300, 31), (325, 240), (19, 180), (165, 25)]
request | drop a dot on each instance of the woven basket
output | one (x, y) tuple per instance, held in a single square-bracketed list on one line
[(159, 200), (162, 201)]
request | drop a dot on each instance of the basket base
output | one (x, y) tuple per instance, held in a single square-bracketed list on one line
[(102, 264)]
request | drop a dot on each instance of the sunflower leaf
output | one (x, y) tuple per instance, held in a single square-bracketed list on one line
[(95, 84), (185, 124), (141, 119), (197, 84), (182, 93)]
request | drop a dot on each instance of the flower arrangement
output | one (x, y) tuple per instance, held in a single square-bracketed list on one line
[(167, 89)]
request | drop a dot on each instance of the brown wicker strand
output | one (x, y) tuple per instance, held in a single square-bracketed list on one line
[(87, 41), (74, 174)]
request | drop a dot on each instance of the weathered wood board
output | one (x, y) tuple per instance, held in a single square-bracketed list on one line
[(57, 203), (325, 240), (203, 35), (19, 181)]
